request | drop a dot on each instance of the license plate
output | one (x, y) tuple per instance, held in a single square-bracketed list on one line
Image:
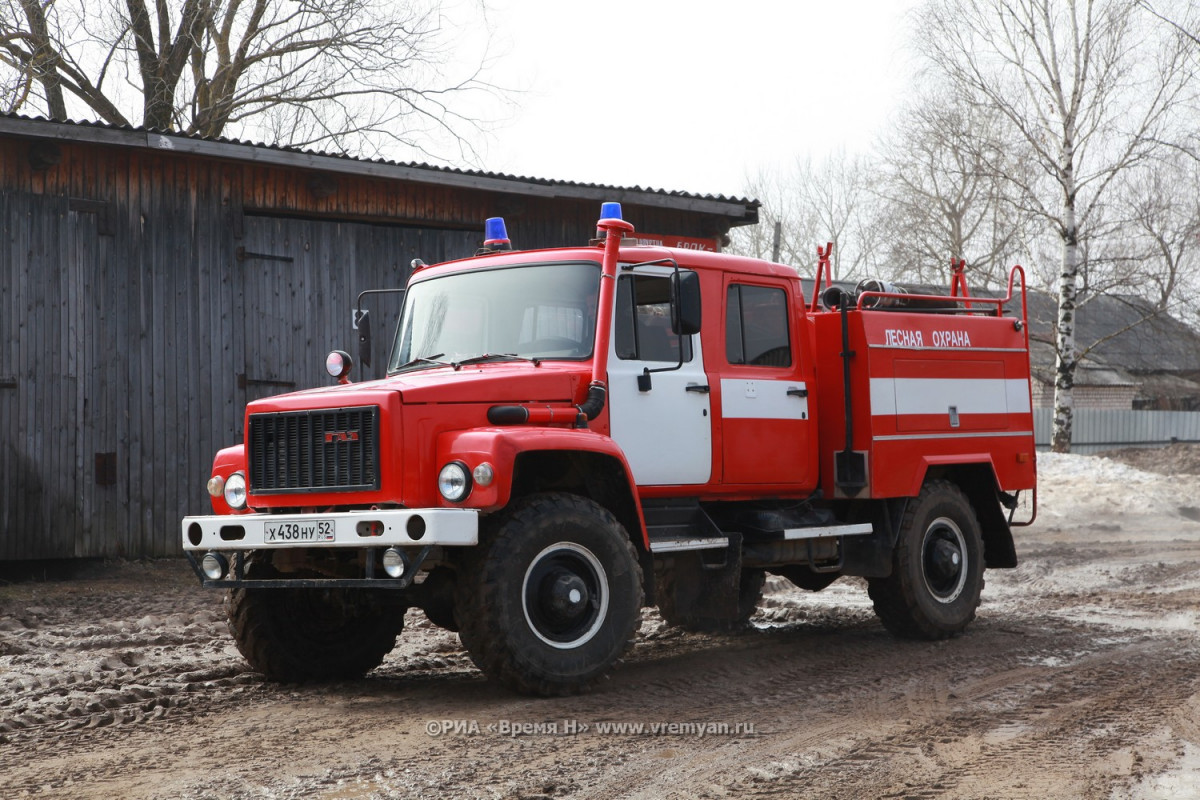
[(314, 530)]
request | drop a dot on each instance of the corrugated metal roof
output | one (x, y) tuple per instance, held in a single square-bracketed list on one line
[(1130, 333), (742, 211)]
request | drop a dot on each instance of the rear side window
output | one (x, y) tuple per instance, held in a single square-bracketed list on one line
[(756, 326)]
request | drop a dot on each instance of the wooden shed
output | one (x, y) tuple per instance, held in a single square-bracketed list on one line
[(151, 284)]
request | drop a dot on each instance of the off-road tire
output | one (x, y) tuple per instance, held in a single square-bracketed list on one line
[(937, 567), (299, 635), (750, 589), (551, 599)]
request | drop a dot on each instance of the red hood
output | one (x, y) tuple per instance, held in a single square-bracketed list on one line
[(504, 382)]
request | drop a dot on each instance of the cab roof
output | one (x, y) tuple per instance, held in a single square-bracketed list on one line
[(629, 254)]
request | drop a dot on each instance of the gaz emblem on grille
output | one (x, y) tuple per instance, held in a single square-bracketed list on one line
[(341, 436)]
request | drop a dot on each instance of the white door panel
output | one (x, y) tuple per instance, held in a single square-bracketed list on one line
[(763, 399), (666, 432)]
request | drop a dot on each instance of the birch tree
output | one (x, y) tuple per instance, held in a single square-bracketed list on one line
[(350, 75), (1087, 87)]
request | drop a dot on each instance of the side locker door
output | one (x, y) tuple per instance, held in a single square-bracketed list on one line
[(764, 403), (664, 428)]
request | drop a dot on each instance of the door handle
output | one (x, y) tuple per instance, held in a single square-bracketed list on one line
[(697, 387), (797, 392)]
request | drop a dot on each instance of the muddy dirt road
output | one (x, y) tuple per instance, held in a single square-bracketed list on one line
[(1081, 678)]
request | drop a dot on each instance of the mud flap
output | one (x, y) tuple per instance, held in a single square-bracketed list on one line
[(870, 556), (708, 582)]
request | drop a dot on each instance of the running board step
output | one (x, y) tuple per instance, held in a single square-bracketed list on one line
[(820, 532), (680, 545), (678, 524)]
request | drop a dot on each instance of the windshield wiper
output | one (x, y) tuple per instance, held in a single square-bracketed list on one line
[(433, 359), (537, 362)]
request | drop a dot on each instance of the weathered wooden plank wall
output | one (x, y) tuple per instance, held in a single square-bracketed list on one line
[(146, 296)]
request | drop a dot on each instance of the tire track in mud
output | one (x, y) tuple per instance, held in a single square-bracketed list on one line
[(139, 692), (1019, 728), (88, 655), (811, 693)]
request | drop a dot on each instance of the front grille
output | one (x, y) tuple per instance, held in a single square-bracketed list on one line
[(335, 450)]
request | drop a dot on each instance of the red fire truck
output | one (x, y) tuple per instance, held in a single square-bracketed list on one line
[(565, 436)]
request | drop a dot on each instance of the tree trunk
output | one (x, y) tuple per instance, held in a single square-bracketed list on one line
[(1064, 333), (44, 61)]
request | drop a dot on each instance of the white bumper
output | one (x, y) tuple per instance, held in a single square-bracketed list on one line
[(455, 527)]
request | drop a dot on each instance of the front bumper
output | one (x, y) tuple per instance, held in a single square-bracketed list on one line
[(416, 532), (408, 527)]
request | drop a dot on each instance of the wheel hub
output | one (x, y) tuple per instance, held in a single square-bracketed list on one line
[(943, 560), (565, 595)]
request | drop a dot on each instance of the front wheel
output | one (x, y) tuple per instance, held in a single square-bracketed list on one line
[(937, 567), (297, 635), (551, 598)]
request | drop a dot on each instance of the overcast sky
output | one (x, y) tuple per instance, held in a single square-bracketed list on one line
[(710, 91)]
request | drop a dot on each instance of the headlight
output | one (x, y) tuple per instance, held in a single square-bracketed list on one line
[(454, 481), (235, 491)]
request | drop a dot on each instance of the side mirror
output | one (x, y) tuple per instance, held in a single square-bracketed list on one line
[(362, 323), (685, 302)]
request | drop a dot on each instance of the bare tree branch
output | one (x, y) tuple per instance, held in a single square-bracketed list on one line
[(354, 74), (1089, 101)]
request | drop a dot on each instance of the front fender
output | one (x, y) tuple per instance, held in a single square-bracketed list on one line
[(226, 462), (501, 447)]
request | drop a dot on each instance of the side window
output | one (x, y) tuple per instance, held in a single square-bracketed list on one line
[(642, 321), (756, 326)]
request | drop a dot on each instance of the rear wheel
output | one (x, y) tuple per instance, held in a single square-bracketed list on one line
[(296, 635), (937, 567), (551, 598)]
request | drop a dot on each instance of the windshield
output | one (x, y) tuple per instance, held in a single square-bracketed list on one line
[(540, 311)]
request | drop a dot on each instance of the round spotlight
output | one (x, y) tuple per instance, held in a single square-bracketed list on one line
[(235, 491), (214, 565), (454, 481), (338, 364), (395, 563)]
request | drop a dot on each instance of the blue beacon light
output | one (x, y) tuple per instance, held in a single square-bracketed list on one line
[(495, 235), (610, 211)]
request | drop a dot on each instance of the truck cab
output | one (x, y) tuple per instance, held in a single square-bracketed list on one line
[(566, 436)]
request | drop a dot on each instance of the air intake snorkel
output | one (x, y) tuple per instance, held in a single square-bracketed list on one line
[(613, 228)]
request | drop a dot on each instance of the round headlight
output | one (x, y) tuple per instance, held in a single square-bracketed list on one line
[(454, 482), (235, 491)]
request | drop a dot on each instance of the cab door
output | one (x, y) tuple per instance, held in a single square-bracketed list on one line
[(766, 431), (659, 395)]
